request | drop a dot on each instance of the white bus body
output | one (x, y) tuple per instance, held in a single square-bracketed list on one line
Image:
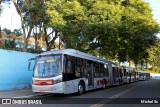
[(69, 71)]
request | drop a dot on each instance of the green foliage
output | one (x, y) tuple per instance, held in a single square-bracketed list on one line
[(54, 14), (121, 29), (137, 31), (33, 11), (154, 55)]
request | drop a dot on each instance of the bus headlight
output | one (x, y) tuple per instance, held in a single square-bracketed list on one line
[(43, 82)]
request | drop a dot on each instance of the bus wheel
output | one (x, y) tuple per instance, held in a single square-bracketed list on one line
[(104, 84), (81, 88)]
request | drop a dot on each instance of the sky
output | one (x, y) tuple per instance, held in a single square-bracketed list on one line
[(155, 5), (9, 18)]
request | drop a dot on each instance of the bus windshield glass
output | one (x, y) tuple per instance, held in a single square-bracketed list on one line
[(48, 66)]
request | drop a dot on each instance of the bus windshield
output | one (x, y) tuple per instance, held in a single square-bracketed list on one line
[(47, 66)]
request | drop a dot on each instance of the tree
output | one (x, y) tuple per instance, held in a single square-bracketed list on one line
[(154, 55), (121, 30), (35, 14), (137, 31), (26, 34), (30, 14), (54, 21), (105, 19)]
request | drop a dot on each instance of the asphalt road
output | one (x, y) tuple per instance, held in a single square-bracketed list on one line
[(138, 94)]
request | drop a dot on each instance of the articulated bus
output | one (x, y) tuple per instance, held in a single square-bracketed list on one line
[(69, 71)]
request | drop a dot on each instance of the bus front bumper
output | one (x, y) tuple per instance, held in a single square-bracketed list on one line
[(56, 88)]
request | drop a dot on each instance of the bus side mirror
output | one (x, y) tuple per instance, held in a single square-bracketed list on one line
[(30, 65)]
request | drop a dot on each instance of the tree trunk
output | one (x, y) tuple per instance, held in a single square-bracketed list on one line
[(52, 42), (25, 45), (141, 64), (36, 43), (23, 26), (40, 40)]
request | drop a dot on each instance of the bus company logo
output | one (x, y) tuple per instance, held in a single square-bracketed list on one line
[(6, 101)]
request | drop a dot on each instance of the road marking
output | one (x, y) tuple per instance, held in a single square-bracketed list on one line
[(101, 103)]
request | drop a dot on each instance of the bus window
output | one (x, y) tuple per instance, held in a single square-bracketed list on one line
[(125, 73), (117, 72), (85, 68), (69, 67), (90, 73), (101, 70), (85, 73), (79, 67), (96, 69), (107, 70)]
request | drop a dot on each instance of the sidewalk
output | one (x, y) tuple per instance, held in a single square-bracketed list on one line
[(23, 93)]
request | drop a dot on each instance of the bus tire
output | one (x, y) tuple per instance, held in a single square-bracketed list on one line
[(81, 88), (104, 84)]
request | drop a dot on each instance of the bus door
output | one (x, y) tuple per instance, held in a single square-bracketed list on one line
[(90, 74)]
